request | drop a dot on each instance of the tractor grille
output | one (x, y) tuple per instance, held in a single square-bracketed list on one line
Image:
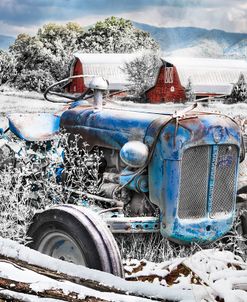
[(207, 181), (194, 182), (223, 193)]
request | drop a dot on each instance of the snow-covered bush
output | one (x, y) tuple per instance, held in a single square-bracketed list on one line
[(32, 182), (239, 92), (37, 80), (20, 194), (81, 166), (50, 51)]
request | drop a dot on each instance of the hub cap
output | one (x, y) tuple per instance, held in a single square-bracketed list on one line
[(61, 246)]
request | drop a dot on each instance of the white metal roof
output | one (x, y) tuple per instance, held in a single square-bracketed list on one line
[(108, 65), (224, 89), (209, 75)]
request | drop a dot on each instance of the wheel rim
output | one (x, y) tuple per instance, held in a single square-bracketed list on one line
[(61, 246)]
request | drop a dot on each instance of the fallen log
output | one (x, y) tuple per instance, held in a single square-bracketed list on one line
[(26, 275), (28, 272), (47, 291)]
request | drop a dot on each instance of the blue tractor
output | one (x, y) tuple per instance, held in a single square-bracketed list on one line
[(170, 173)]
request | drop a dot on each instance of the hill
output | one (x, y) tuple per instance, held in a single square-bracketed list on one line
[(198, 42), (186, 41)]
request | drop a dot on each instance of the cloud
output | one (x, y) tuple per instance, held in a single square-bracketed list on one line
[(29, 11), (28, 15), (225, 16)]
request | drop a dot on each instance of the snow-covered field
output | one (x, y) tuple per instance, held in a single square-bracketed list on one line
[(209, 275), (13, 103), (213, 106), (34, 102)]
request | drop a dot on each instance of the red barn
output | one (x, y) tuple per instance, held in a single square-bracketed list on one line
[(108, 65), (208, 77), (168, 87)]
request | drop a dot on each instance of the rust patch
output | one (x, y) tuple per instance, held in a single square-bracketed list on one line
[(167, 137), (172, 277)]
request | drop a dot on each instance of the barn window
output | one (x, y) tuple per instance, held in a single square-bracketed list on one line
[(168, 74)]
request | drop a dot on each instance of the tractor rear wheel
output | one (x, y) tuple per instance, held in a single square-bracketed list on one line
[(78, 235)]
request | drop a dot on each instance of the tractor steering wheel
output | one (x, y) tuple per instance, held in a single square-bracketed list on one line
[(68, 96)]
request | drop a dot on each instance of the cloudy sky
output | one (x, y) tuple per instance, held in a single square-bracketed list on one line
[(18, 16)]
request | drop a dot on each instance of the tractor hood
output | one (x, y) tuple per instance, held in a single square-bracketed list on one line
[(113, 127), (110, 128)]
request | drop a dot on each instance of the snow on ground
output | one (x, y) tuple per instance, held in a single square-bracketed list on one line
[(239, 109), (16, 101), (11, 104), (40, 283), (22, 104), (206, 275)]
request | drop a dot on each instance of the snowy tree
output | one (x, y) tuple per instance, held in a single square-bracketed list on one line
[(32, 57), (7, 67), (189, 93), (61, 40), (239, 92), (142, 71), (46, 56), (116, 35)]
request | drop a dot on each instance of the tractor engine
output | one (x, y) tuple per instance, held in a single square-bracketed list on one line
[(120, 182)]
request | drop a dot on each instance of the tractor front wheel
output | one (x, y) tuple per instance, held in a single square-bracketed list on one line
[(78, 235)]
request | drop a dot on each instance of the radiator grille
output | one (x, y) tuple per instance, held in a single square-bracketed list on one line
[(197, 198), (194, 182), (223, 193)]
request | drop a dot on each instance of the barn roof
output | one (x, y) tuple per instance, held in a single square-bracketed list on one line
[(215, 76), (108, 65)]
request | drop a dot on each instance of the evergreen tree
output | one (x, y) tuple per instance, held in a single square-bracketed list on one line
[(239, 92), (189, 92)]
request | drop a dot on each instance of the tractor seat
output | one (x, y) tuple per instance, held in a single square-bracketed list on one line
[(34, 126)]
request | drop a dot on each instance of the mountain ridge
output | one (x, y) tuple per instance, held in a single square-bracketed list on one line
[(186, 41), (196, 41)]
